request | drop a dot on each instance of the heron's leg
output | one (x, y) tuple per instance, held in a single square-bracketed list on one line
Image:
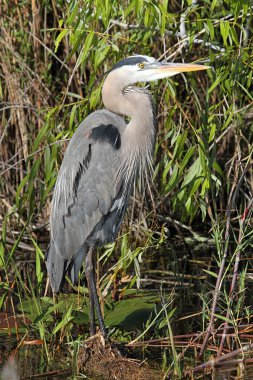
[(88, 270), (94, 301)]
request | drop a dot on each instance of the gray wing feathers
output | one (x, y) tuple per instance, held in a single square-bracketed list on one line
[(83, 194)]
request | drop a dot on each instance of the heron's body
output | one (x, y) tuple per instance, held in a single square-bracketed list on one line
[(82, 210), (91, 195), (101, 163)]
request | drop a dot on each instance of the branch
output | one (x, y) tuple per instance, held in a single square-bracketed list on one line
[(221, 359), (231, 205), (236, 266)]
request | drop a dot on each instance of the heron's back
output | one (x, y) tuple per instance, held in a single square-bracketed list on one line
[(88, 202)]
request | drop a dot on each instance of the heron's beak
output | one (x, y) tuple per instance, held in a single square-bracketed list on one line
[(160, 70), (165, 67)]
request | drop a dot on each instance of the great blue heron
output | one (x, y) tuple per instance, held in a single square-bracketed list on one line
[(100, 166)]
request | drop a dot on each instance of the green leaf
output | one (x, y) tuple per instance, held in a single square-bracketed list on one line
[(38, 257), (59, 38), (212, 132), (202, 157), (66, 319), (164, 321), (193, 172), (85, 50), (224, 28), (173, 180), (210, 273), (73, 95), (245, 90), (71, 118), (20, 187), (223, 318), (215, 83), (101, 55), (46, 314), (210, 28), (186, 158), (139, 308), (180, 144)]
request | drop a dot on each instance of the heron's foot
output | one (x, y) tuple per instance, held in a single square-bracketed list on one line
[(97, 336), (103, 332), (106, 343)]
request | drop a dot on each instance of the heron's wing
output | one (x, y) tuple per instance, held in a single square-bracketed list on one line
[(85, 190)]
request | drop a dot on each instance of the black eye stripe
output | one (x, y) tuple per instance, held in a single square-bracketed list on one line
[(129, 61)]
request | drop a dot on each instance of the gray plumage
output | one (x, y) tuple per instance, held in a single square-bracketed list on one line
[(88, 202), (103, 160)]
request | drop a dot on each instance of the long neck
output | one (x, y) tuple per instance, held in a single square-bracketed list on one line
[(139, 134), (123, 99)]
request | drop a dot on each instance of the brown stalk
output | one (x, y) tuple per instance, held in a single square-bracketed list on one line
[(222, 358), (231, 205), (16, 97), (233, 283), (36, 22)]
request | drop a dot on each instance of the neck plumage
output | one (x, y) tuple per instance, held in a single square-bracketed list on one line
[(137, 140)]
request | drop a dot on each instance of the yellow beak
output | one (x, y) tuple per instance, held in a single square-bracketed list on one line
[(160, 70), (181, 67)]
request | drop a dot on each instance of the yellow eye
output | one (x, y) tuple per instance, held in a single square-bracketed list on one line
[(141, 65)]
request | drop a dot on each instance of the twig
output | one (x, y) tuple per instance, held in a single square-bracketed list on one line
[(233, 283), (195, 234), (174, 283), (220, 359), (231, 204), (33, 154), (17, 106), (180, 35), (21, 62), (185, 40), (50, 51), (209, 44), (50, 374), (125, 26)]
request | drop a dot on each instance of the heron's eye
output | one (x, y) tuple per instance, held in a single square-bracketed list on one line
[(141, 65)]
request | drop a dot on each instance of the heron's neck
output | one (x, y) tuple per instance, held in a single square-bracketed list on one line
[(137, 140), (133, 102)]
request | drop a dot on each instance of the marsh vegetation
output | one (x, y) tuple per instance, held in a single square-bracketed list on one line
[(176, 286)]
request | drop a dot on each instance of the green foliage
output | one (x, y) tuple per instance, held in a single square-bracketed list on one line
[(187, 148), (71, 311)]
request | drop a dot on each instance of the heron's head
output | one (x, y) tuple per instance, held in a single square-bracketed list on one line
[(141, 68)]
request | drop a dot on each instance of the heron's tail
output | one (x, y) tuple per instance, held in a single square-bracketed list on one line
[(56, 267)]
